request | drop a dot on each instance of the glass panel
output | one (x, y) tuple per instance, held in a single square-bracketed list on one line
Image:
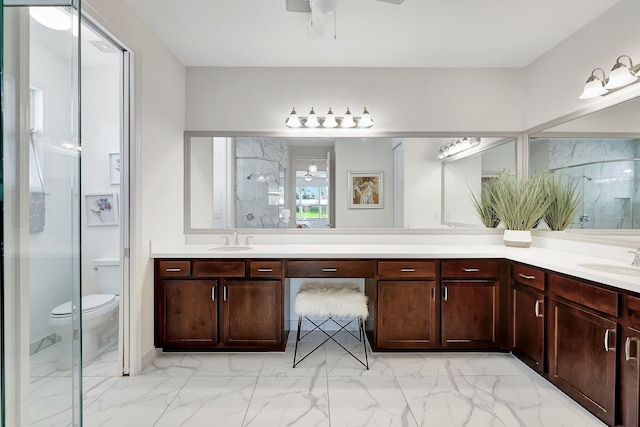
[(41, 223)]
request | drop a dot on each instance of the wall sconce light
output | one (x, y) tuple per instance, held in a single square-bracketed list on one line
[(457, 146), (330, 120), (621, 76)]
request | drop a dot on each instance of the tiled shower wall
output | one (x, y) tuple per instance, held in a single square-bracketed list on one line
[(611, 189)]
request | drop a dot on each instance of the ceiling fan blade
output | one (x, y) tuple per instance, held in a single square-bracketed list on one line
[(393, 1)]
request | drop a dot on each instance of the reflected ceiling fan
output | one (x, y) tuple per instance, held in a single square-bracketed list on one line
[(319, 10)]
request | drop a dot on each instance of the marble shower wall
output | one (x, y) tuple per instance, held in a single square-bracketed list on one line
[(260, 181), (608, 179)]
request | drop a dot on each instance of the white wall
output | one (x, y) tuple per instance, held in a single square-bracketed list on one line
[(363, 155), (555, 80), (157, 181), (400, 99), (100, 137)]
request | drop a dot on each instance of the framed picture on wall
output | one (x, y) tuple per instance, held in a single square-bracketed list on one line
[(114, 168), (102, 209), (365, 190)]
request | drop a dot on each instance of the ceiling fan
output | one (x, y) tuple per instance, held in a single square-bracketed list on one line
[(319, 10)]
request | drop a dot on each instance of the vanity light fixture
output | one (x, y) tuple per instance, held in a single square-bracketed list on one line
[(329, 121), (458, 146), (621, 76)]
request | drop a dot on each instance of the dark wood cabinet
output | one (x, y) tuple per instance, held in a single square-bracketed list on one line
[(210, 304), (630, 364), (527, 314), (582, 344), (406, 314), (187, 314), (251, 313), (470, 312)]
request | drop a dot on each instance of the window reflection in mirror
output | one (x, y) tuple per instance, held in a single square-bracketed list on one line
[(256, 182)]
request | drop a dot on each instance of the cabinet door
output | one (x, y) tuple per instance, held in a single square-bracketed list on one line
[(252, 313), (582, 357), (470, 314), (406, 314), (528, 326), (630, 378), (187, 314)]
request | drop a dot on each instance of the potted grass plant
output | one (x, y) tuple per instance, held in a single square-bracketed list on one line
[(520, 203), (484, 205), (565, 200)]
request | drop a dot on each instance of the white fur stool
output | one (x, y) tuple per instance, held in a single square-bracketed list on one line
[(329, 300)]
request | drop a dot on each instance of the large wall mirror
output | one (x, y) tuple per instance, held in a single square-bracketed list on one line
[(275, 183), (600, 152)]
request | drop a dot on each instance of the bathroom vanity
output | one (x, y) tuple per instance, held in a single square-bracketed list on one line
[(581, 334)]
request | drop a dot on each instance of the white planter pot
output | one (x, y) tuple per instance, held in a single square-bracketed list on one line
[(517, 238)]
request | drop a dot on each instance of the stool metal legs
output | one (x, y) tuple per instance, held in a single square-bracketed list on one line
[(361, 337)]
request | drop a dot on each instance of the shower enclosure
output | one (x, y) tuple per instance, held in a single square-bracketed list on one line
[(40, 207)]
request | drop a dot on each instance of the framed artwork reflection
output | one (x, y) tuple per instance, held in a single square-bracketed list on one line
[(365, 190), (114, 168), (102, 209)]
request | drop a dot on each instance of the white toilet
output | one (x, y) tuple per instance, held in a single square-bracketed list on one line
[(99, 315)]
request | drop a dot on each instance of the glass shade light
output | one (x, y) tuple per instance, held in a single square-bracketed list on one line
[(312, 120), (50, 17), (457, 146), (348, 121), (308, 177), (330, 121), (313, 168), (594, 86), (293, 121), (621, 75), (365, 120)]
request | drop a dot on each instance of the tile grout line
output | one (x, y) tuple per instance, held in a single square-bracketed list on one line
[(168, 405)]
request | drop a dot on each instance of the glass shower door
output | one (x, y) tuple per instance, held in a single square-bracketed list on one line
[(41, 348)]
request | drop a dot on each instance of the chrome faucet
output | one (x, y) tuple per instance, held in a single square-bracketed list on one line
[(636, 259), (236, 242)]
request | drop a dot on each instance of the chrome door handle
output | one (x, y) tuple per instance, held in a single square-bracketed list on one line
[(606, 340), (524, 276), (213, 293), (433, 294), (627, 349), (224, 293), (446, 293), (537, 308)]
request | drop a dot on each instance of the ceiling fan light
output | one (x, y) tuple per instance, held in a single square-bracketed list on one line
[(621, 75), (308, 177), (293, 121), (365, 120), (330, 120), (312, 120), (347, 120)]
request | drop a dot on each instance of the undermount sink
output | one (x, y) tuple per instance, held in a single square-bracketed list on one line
[(230, 248), (614, 269)]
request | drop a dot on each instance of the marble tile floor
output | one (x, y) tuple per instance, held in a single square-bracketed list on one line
[(328, 388)]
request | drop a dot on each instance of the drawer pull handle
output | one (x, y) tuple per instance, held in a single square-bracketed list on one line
[(606, 339), (224, 293), (537, 308), (213, 293), (407, 270), (265, 270), (471, 270), (433, 294), (627, 349), (524, 276), (173, 270), (446, 292), (329, 270)]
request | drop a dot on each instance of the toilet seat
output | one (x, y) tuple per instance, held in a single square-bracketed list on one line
[(90, 303)]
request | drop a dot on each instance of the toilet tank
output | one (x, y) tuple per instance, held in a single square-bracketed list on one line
[(107, 275)]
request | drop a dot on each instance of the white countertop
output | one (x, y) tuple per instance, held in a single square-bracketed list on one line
[(555, 260)]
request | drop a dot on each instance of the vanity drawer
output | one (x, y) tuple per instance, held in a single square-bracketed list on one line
[(596, 298), (174, 268), (528, 276), (471, 268), (633, 310), (207, 268), (330, 268), (265, 268), (409, 269)]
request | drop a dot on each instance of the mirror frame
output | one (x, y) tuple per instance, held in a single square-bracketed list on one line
[(503, 137)]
